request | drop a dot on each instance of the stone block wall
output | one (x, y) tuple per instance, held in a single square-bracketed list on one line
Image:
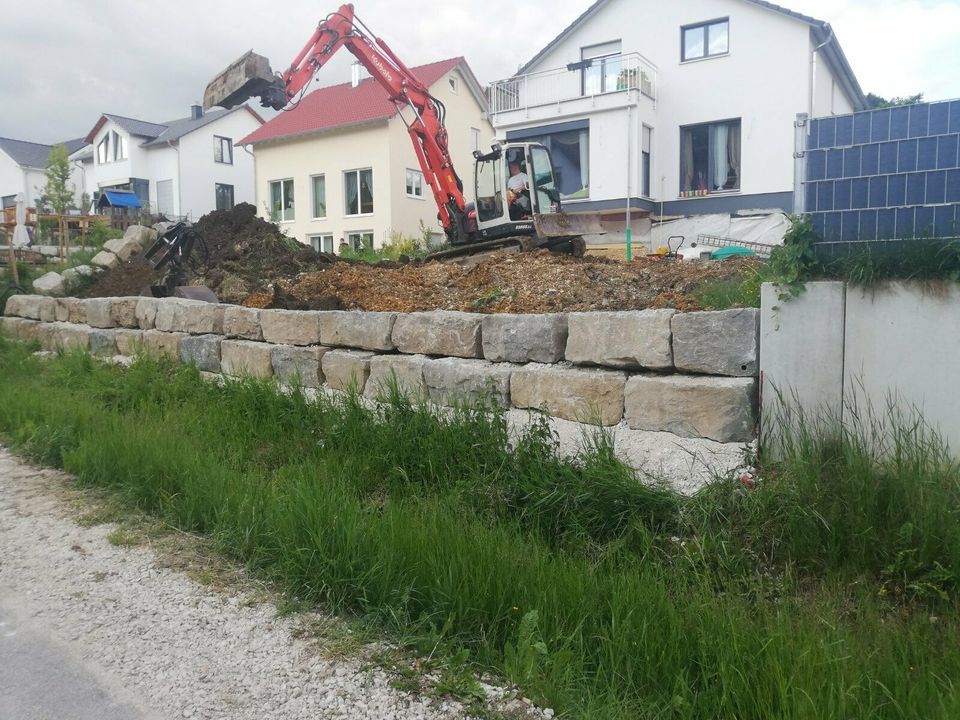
[(693, 375)]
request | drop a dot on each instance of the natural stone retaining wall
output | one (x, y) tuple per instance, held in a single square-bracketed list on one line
[(690, 374)]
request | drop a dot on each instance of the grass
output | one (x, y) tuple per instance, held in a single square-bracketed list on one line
[(829, 591)]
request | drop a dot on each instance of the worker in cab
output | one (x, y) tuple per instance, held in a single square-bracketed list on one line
[(518, 191)]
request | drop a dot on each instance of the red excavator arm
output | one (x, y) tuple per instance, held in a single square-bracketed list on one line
[(426, 128)]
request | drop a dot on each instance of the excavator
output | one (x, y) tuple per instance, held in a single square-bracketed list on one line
[(517, 200)]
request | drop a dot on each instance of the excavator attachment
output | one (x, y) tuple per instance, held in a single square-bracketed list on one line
[(563, 225), (249, 76)]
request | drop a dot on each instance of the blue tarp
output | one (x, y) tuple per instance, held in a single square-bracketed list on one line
[(122, 199)]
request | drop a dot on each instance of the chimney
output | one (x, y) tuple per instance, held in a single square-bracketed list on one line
[(196, 112)]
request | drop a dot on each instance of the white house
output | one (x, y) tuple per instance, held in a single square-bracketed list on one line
[(685, 108), (341, 166), (182, 168), (22, 166)]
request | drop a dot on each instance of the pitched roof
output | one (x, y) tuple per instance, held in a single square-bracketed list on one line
[(34, 155), (822, 31), (343, 105), (161, 133)]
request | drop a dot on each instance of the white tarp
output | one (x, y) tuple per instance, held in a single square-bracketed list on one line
[(21, 237)]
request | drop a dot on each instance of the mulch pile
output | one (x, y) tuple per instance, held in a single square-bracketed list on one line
[(503, 283)]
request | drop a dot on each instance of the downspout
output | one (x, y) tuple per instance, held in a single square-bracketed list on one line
[(256, 200), (179, 191), (629, 233), (813, 68)]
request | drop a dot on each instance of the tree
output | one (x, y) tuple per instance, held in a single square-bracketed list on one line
[(58, 190), (875, 101)]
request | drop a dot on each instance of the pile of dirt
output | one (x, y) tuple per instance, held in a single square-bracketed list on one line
[(504, 283)]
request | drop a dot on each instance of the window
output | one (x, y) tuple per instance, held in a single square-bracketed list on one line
[(360, 241), (543, 180), (454, 86), (224, 196), (222, 150), (119, 146), (705, 39), (709, 158), (488, 184), (474, 138), (415, 183), (281, 200), (102, 148), (321, 243), (646, 147), (358, 191), (601, 68), (319, 186), (570, 152)]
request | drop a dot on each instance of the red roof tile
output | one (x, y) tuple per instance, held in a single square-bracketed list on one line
[(341, 105)]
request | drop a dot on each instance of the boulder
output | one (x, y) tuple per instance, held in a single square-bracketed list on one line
[(725, 342), (451, 380), (32, 307), (290, 327), (524, 338), (98, 312), (405, 370), (105, 259), (71, 309), (628, 339), (123, 311), (19, 328), (440, 332), (190, 316), (162, 344), (245, 358), (76, 277), (295, 364), (582, 395), (124, 248), (103, 343), (51, 284), (129, 342), (64, 336), (364, 330), (147, 312), (241, 322), (718, 408), (203, 351), (346, 369)]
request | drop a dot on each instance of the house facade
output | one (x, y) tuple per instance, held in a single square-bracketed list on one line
[(22, 170), (341, 166), (685, 108), (182, 168)]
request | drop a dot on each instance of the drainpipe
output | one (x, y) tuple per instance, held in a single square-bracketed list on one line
[(813, 68), (179, 191), (629, 231), (248, 151)]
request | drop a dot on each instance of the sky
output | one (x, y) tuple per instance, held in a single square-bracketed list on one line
[(74, 60)]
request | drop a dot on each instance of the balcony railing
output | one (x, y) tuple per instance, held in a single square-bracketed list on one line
[(600, 76)]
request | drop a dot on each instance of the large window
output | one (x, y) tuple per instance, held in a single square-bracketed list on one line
[(601, 68), (414, 183), (119, 146), (102, 147), (321, 243), (358, 191), (705, 39), (570, 152), (319, 187), (281, 200), (222, 150), (224, 195), (709, 158), (360, 241)]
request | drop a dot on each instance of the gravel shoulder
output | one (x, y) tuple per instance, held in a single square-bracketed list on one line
[(154, 642)]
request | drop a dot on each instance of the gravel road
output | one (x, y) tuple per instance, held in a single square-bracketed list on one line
[(144, 641)]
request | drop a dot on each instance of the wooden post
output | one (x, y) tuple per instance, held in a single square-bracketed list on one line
[(14, 273)]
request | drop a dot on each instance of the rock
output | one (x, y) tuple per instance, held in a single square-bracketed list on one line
[(124, 248), (123, 311), (76, 277), (440, 332), (524, 338), (242, 322), (717, 343), (405, 370), (105, 259), (347, 369), (19, 328), (451, 380), (71, 309), (203, 351), (103, 343), (32, 307), (582, 395), (147, 312), (51, 284), (245, 358), (293, 364), (290, 327), (162, 344), (190, 316), (64, 336), (628, 339), (129, 342), (98, 312), (717, 408), (364, 330)]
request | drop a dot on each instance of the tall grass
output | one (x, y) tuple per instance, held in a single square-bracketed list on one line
[(601, 596)]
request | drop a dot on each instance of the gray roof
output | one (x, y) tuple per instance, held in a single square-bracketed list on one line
[(140, 128), (74, 145), (822, 32), (34, 155), (176, 129)]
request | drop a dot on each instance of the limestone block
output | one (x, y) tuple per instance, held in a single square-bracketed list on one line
[(245, 357), (98, 312), (717, 343), (451, 380), (202, 351), (129, 342), (105, 259), (364, 330), (147, 312), (524, 338), (190, 316), (406, 370), (32, 307), (123, 311), (134, 241), (628, 339), (65, 337), (440, 332), (19, 328), (292, 364), (51, 284), (718, 408), (241, 322), (162, 344), (71, 309), (290, 327), (583, 395), (103, 343), (346, 369)]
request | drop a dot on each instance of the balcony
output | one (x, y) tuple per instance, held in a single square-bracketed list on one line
[(561, 90)]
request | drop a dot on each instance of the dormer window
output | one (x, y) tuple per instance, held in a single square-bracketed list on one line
[(102, 147), (119, 146), (705, 40)]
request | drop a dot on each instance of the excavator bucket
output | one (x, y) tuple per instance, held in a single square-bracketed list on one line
[(247, 77), (563, 225)]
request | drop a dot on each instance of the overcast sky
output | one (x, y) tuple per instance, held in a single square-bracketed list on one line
[(68, 61)]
